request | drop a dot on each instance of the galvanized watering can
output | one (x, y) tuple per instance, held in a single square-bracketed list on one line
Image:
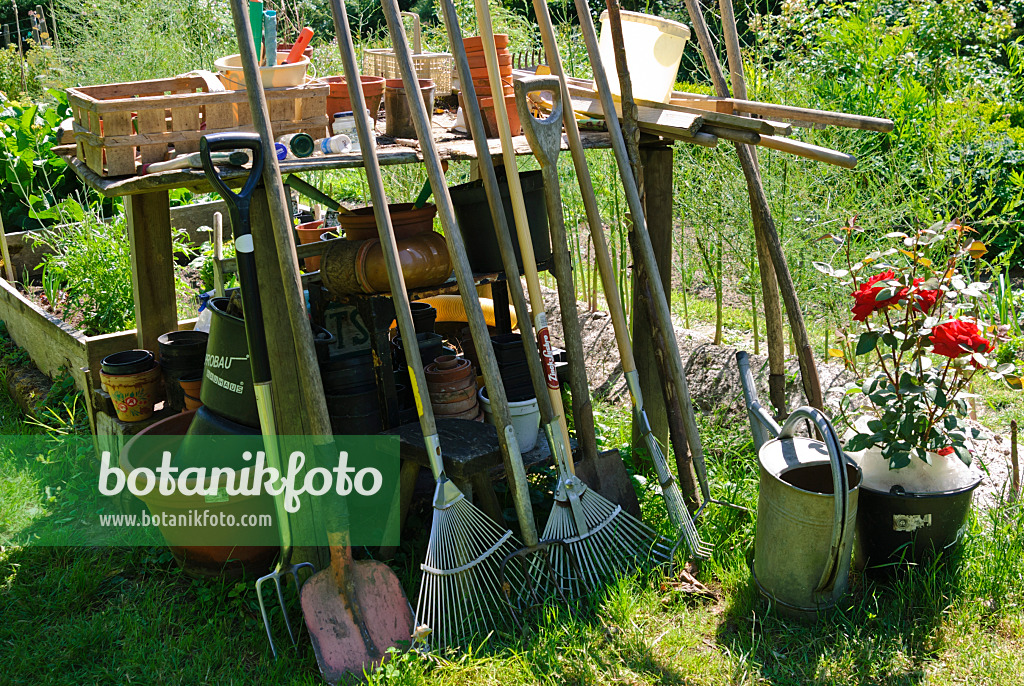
[(806, 510)]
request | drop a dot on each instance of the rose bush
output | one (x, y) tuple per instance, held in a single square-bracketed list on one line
[(917, 344)]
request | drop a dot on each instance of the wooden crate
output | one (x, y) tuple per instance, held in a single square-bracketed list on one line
[(119, 126)]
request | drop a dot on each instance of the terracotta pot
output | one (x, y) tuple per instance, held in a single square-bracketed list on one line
[(134, 395), (191, 385), (449, 373), (478, 61), (338, 100), (358, 267), (198, 561), (475, 43), (310, 233), (192, 403), (398, 122), (481, 75), (361, 225), (457, 407), (491, 118)]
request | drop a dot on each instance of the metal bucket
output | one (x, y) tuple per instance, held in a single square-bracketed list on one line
[(806, 516)]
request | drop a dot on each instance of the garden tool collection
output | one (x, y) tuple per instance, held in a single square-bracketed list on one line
[(606, 540), (461, 596), (259, 360), (354, 611)]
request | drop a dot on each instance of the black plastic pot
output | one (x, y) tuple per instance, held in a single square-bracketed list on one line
[(128, 362), (347, 371), (227, 382), (182, 355), (474, 219), (355, 413), (508, 348), (200, 453), (900, 527), (431, 347), (423, 316)]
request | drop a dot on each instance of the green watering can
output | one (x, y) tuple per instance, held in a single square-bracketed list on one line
[(806, 510)]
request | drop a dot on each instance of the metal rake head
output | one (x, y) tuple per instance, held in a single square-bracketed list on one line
[(276, 576), (542, 580)]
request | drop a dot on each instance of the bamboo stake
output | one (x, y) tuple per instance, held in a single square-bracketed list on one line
[(218, 254), (1014, 463), (8, 267), (763, 221)]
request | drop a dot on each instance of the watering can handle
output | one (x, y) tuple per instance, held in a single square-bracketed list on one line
[(840, 487)]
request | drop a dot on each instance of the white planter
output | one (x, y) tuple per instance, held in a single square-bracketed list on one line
[(525, 419), (945, 473)]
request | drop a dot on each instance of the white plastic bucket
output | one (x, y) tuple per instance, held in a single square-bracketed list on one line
[(280, 76), (525, 416), (654, 47)]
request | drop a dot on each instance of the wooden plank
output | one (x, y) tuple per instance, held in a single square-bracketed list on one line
[(149, 237), (149, 122), (186, 120), (51, 343), (181, 134), (810, 151), (805, 114), (657, 165), (684, 124)]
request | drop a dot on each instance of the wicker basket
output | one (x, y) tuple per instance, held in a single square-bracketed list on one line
[(119, 126), (436, 66)]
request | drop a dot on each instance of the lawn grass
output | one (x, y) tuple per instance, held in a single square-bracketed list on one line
[(128, 615)]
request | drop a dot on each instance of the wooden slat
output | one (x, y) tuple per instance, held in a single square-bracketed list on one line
[(150, 122), (186, 120), (655, 120), (149, 236), (120, 160), (812, 152)]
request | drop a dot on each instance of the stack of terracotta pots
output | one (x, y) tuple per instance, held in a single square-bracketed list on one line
[(478, 72), (451, 382)]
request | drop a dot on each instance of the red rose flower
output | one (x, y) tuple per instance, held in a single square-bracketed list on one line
[(958, 338), (924, 300), (864, 296), (948, 450)]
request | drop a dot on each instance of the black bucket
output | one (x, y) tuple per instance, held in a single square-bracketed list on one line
[(431, 347), (182, 355), (423, 316), (355, 413), (347, 371), (323, 340), (227, 377), (508, 348), (898, 527), (474, 219)]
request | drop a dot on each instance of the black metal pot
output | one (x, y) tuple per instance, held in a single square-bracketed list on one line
[(899, 527)]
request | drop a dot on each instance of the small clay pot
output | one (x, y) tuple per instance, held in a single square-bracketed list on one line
[(447, 369), (407, 221), (457, 408), (134, 395), (191, 385), (476, 43), (310, 233), (478, 61), (127, 362), (192, 403), (338, 100), (491, 117)]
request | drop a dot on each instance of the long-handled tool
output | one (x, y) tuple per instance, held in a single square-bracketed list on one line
[(460, 594), (358, 606), (670, 489), (259, 359), (606, 540)]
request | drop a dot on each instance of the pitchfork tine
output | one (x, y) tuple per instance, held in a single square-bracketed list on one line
[(276, 576)]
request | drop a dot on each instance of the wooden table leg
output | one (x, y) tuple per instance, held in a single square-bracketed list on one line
[(486, 499), (499, 297), (407, 482), (658, 203), (377, 314), (149, 239)]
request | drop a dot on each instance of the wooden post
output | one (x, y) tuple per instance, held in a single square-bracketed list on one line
[(8, 268), (657, 164), (149, 239), (764, 224)]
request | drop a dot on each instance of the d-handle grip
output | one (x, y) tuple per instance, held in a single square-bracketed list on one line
[(840, 487), (544, 135), (215, 142)]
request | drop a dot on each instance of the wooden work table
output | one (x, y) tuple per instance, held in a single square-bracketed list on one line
[(149, 229)]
